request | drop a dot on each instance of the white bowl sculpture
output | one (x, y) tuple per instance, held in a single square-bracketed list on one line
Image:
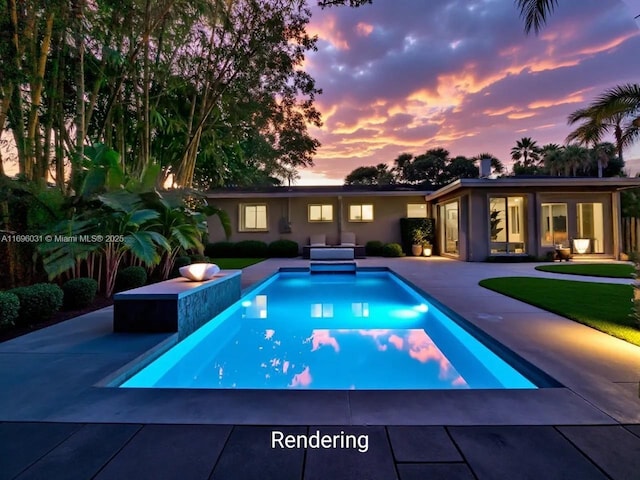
[(581, 245), (199, 272)]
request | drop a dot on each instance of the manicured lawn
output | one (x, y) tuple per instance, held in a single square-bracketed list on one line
[(235, 263), (605, 307), (612, 270)]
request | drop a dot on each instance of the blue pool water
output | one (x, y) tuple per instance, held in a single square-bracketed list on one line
[(368, 330)]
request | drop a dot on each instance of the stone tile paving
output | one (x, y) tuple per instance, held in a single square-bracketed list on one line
[(84, 451)]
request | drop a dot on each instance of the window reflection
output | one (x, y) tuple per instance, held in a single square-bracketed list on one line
[(360, 309), (255, 308), (322, 310)]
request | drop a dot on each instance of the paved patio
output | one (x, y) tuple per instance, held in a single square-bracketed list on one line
[(59, 424)]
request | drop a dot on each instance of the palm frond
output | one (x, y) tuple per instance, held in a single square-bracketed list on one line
[(535, 13)]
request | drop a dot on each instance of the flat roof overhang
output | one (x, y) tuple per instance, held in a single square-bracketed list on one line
[(327, 193), (609, 183)]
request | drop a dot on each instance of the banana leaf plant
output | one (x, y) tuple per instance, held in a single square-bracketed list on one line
[(128, 227), (183, 221)]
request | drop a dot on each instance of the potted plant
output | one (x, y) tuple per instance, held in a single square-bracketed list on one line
[(418, 239), (427, 249)]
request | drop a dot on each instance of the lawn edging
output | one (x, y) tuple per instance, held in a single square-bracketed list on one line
[(607, 270), (576, 300)]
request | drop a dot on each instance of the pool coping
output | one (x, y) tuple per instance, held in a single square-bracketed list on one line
[(72, 395)]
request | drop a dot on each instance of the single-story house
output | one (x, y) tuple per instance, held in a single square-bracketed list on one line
[(475, 218)]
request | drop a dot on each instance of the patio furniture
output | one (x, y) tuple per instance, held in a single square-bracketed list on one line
[(348, 239), (318, 240), (563, 253)]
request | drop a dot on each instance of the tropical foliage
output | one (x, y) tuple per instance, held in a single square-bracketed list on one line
[(213, 91)]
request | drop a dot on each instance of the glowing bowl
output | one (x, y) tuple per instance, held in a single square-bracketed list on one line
[(198, 272)]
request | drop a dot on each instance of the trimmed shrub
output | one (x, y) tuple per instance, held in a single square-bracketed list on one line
[(374, 248), (79, 293), (392, 250), (130, 277), (251, 249), (219, 250), (38, 302), (283, 249), (9, 309)]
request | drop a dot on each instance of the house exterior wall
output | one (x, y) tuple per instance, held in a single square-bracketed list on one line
[(385, 227), (610, 212), (474, 241)]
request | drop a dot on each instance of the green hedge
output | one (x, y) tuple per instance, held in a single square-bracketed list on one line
[(219, 250), (251, 249), (409, 225), (392, 250), (9, 309), (374, 248), (130, 277), (283, 249), (38, 302), (79, 293)]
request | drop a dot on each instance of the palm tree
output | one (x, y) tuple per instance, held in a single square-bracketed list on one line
[(575, 157), (527, 150), (535, 13), (617, 105), (553, 158), (614, 116), (589, 134)]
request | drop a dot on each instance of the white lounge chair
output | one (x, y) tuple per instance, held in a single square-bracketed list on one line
[(318, 240), (348, 239)]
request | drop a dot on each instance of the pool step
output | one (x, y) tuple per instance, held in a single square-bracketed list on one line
[(332, 267)]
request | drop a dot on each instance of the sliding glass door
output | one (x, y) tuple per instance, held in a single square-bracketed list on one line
[(507, 225)]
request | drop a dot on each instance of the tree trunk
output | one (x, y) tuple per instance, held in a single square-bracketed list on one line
[(78, 36), (32, 168)]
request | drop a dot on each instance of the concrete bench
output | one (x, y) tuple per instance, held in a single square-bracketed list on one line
[(176, 305), (332, 254)]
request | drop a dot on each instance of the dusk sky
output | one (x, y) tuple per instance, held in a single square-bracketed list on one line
[(409, 75)]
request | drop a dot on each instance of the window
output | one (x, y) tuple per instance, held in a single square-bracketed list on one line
[(554, 224), (360, 213), (253, 217), (321, 213), (416, 210), (591, 226), (506, 222)]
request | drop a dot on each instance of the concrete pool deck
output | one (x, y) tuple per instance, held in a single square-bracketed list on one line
[(51, 375)]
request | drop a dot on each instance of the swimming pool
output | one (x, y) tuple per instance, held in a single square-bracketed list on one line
[(367, 330)]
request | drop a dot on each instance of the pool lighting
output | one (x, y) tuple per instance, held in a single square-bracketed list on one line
[(421, 308), (198, 272), (246, 303), (581, 245)]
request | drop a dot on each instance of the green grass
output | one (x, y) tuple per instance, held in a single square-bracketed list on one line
[(235, 263), (612, 270), (605, 307)]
